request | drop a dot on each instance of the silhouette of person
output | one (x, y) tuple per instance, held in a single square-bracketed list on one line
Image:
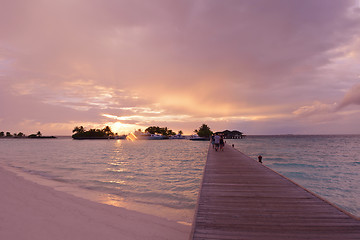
[(260, 158), (217, 142), (213, 141), (222, 143)]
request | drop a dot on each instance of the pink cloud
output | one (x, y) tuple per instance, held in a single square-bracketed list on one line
[(317, 108), (197, 58), (352, 97)]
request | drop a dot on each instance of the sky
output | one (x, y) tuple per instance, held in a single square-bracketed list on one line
[(257, 66)]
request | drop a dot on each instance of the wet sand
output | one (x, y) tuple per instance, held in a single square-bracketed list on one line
[(32, 211)]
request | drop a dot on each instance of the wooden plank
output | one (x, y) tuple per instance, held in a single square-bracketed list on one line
[(242, 199)]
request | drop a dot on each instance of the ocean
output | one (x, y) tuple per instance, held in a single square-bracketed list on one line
[(327, 165), (162, 177)]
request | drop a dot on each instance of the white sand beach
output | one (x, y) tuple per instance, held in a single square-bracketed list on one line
[(32, 211)]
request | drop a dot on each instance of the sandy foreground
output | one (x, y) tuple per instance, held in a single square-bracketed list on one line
[(32, 211)]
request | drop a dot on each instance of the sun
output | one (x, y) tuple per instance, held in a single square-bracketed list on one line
[(122, 128)]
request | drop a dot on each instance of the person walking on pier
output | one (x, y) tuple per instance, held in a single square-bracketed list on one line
[(217, 141), (222, 143)]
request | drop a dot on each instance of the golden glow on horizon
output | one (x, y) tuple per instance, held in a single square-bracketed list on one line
[(177, 118), (122, 128), (142, 122)]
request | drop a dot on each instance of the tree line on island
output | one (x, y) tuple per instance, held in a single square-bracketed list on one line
[(22, 135), (204, 132), (162, 131), (105, 133)]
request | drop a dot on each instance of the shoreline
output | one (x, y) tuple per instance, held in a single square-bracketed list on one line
[(176, 215), (37, 211)]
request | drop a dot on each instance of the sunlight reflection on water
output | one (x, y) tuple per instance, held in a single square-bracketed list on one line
[(165, 173)]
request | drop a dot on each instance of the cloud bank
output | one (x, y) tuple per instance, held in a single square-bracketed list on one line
[(235, 64)]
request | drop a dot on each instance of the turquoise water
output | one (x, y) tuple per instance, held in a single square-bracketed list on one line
[(164, 176), (326, 165)]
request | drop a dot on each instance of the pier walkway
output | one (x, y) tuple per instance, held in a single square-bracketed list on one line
[(242, 199)]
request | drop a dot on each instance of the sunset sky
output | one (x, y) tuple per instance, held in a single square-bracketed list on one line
[(257, 66)]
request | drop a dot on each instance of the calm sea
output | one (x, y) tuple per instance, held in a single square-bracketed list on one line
[(160, 177), (163, 177), (326, 165)]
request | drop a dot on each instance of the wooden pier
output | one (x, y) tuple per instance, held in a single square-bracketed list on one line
[(242, 199)]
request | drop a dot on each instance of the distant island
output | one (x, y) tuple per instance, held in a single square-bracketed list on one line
[(105, 133), (203, 133), (22, 135), (39, 135), (164, 131), (153, 132)]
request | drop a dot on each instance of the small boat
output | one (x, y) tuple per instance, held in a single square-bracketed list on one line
[(197, 138), (155, 137), (147, 136), (177, 136)]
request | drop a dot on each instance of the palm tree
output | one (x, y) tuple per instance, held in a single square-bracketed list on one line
[(78, 129), (20, 134), (107, 131), (204, 131)]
